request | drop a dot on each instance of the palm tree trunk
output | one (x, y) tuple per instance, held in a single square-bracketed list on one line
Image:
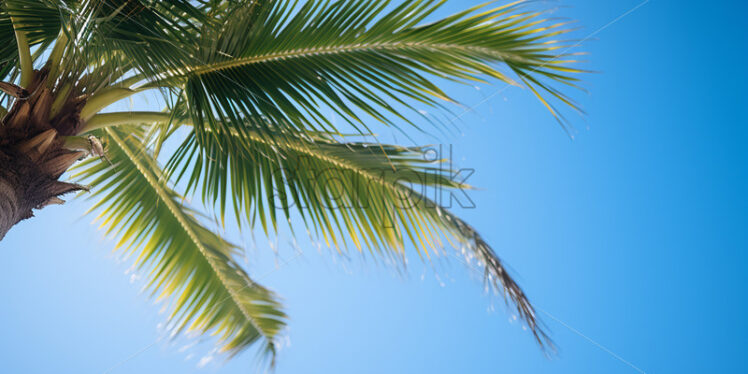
[(15, 190), (27, 184), (21, 189), (32, 151), (9, 207)]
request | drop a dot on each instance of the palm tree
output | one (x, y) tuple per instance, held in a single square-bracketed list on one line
[(245, 84)]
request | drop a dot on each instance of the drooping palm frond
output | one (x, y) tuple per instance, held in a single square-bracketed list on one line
[(374, 194), (356, 56), (184, 260)]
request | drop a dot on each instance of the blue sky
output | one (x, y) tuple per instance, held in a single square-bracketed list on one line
[(631, 238)]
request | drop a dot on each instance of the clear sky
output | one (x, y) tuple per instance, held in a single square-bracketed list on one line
[(631, 239)]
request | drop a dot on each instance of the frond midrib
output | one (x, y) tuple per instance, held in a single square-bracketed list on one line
[(340, 49)]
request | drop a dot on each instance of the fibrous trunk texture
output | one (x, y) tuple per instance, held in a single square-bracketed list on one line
[(9, 208), (32, 152)]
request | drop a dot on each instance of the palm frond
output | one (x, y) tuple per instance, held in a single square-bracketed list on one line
[(39, 20), (107, 37), (357, 57), (373, 194), (184, 260), (154, 35)]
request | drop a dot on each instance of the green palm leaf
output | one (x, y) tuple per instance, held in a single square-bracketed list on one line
[(373, 194), (184, 260), (152, 34), (357, 57), (40, 21)]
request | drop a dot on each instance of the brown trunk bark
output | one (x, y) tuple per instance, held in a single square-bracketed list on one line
[(32, 152), (15, 205), (25, 186), (9, 207)]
